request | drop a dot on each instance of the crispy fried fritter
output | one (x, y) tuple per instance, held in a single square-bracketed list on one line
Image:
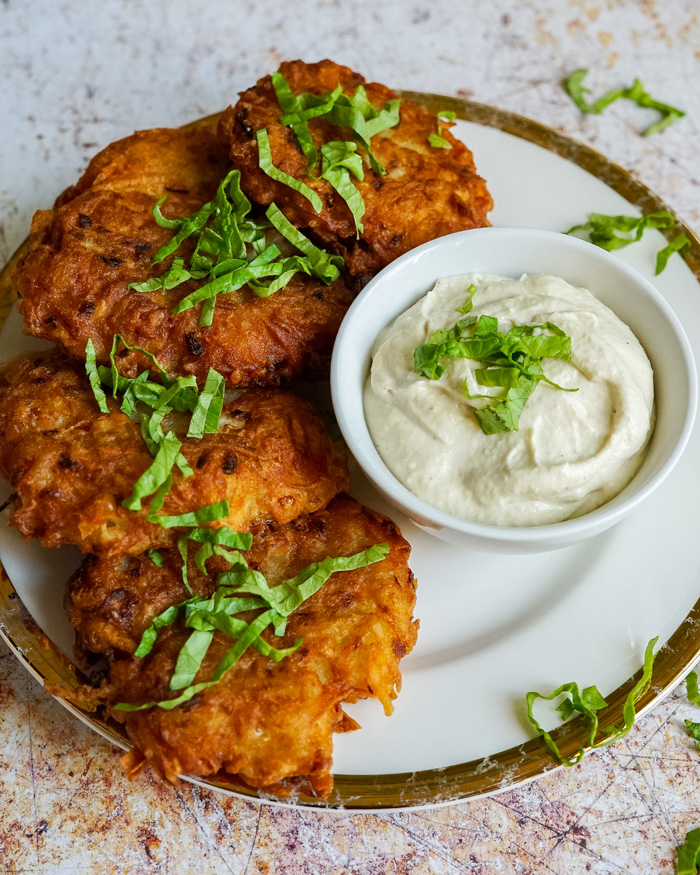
[(71, 467), (101, 236), (427, 192), (265, 722)]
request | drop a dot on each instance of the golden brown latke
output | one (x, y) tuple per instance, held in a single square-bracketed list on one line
[(265, 722), (427, 192), (71, 467), (101, 236)]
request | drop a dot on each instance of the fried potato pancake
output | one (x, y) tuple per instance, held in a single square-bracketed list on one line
[(265, 723), (426, 192), (74, 280), (71, 467)]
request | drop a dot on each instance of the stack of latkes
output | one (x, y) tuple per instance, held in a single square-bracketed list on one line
[(237, 595)]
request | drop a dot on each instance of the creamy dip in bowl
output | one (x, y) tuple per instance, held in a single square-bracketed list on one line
[(580, 460), (575, 447)]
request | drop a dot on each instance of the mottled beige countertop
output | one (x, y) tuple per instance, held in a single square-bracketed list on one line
[(79, 75)]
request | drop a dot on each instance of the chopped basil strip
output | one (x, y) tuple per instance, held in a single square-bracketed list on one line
[(512, 362), (636, 93), (158, 500), (691, 688), (266, 165), (290, 594), (161, 221), (180, 394), (155, 558), (149, 355), (664, 254), (194, 223), (223, 536), (310, 106), (693, 694), (437, 141), (230, 249), (669, 114), (689, 854), (600, 229), (693, 730), (172, 277), (338, 160), (94, 377), (207, 514), (289, 104), (577, 90), (190, 658), (350, 111), (587, 703), (213, 541), (205, 614), (207, 412), (326, 267), (156, 474)]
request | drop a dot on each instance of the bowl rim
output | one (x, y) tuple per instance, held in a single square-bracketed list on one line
[(365, 453)]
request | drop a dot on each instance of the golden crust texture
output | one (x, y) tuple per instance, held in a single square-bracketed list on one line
[(101, 236), (266, 724), (427, 192), (71, 467)]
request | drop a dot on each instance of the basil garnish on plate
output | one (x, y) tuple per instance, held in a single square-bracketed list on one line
[(586, 703), (602, 230)]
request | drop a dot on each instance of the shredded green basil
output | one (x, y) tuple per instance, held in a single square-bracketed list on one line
[(636, 93), (238, 590), (156, 474), (200, 517), (355, 112), (155, 557), (512, 362), (601, 229), (676, 245), (436, 140), (691, 688), (180, 394), (587, 703), (94, 377), (175, 275), (693, 694), (339, 159), (207, 412), (321, 264), (689, 854), (266, 165), (230, 249), (290, 105)]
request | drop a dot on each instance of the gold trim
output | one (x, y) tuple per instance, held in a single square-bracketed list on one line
[(465, 780)]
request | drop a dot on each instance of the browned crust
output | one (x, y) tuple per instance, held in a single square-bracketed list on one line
[(265, 722), (426, 193), (101, 236), (70, 466)]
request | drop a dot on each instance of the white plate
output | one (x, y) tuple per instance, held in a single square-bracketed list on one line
[(494, 627)]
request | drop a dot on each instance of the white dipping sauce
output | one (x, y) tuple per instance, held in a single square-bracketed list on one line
[(573, 450)]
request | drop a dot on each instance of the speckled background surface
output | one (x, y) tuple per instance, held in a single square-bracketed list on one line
[(76, 76)]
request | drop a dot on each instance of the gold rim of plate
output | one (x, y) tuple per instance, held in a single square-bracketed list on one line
[(499, 771)]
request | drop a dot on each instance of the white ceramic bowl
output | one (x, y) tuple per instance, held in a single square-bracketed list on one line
[(513, 252)]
